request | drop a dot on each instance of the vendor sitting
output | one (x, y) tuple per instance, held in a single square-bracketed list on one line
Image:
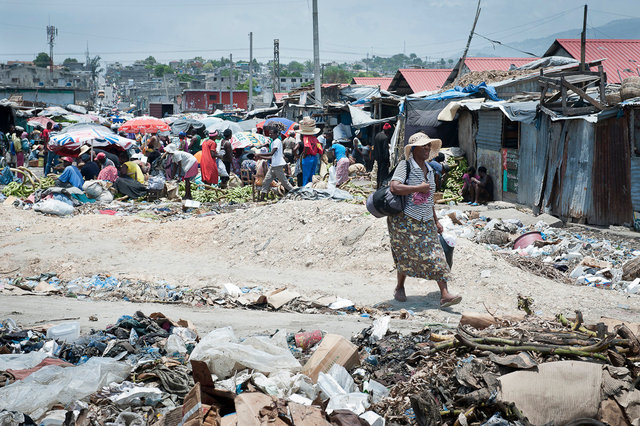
[(71, 175)]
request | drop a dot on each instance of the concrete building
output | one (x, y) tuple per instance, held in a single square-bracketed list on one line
[(30, 76)]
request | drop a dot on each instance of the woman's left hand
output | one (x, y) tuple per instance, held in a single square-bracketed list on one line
[(439, 227)]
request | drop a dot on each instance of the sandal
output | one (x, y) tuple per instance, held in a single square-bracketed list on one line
[(475, 204), (451, 302), (400, 295)]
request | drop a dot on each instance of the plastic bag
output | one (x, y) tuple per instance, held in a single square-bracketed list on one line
[(222, 170), (222, 351), (21, 361), (175, 345), (156, 183), (51, 385), (55, 207)]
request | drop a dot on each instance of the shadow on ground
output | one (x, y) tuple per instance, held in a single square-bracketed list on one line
[(419, 303)]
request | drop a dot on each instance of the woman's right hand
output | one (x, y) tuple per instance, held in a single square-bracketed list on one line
[(424, 187)]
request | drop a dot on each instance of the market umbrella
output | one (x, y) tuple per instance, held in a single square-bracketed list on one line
[(69, 141), (288, 124), (40, 122), (246, 139), (188, 125), (144, 124)]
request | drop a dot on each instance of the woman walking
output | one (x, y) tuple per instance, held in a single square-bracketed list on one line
[(311, 149), (414, 232)]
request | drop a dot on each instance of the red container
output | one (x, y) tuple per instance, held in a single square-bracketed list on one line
[(525, 240)]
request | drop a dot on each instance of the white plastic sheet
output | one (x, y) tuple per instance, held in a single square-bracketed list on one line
[(223, 352), (51, 385)]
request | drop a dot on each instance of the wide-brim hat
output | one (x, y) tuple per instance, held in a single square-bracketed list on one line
[(308, 127), (421, 139), (84, 149)]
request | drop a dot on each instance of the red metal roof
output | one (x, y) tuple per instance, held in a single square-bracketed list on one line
[(491, 64), (280, 95), (383, 82), (620, 55), (424, 79)]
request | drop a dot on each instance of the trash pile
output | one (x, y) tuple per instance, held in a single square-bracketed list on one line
[(229, 295), (572, 255), (518, 371), (153, 370)]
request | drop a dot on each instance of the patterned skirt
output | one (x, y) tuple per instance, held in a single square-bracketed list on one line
[(416, 248)]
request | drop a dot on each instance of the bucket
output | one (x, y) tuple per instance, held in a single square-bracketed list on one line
[(40, 162), (525, 240)]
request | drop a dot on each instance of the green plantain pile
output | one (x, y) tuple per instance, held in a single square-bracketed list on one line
[(23, 190), (452, 186)]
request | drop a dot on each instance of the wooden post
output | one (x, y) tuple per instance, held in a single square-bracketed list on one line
[(466, 49), (583, 41), (603, 99), (563, 91)]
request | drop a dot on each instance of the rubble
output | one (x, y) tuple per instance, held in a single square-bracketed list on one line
[(571, 255)]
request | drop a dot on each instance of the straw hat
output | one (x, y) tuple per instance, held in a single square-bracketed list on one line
[(308, 126), (84, 148), (420, 139)]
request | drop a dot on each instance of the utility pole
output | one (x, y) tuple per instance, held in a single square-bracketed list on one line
[(276, 65), (583, 41), (316, 56), (250, 106), (466, 49), (52, 32), (231, 81)]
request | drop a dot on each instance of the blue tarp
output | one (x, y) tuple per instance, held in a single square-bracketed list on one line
[(463, 92)]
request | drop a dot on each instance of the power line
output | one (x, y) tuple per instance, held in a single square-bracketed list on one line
[(506, 45)]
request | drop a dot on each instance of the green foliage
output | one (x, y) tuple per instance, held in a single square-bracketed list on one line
[(185, 77), (161, 69), (336, 74), (295, 67), (245, 86), (94, 66), (42, 60), (69, 61), (150, 62)]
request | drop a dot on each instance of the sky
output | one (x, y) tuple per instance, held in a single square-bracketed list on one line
[(127, 30)]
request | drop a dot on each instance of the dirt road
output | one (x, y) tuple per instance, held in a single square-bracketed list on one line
[(315, 247)]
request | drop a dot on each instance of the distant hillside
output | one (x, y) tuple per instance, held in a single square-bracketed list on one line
[(621, 28)]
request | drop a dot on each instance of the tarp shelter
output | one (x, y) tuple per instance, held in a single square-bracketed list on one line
[(189, 126)]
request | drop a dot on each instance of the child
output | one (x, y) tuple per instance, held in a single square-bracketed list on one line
[(468, 194)]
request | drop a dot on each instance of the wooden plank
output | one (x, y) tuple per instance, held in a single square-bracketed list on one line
[(583, 95), (563, 89), (603, 98)]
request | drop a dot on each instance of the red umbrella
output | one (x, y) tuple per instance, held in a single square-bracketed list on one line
[(144, 124)]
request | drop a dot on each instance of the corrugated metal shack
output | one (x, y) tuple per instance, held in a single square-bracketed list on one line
[(576, 168)]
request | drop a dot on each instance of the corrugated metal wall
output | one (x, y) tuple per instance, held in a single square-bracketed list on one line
[(532, 164), (575, 144), (489, 130), (635, 183), (611, 173), (565, 185)]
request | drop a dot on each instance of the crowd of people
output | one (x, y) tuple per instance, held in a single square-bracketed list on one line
[(291, 159)]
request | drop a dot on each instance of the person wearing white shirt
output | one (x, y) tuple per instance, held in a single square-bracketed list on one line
[(276, 170)]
